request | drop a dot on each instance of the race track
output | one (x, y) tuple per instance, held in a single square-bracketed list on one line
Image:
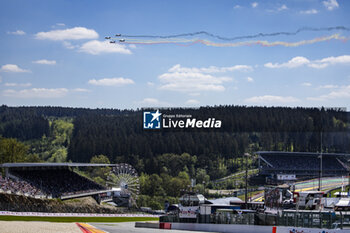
[(312, 185)]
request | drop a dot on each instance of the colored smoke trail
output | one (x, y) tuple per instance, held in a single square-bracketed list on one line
[(189, 42), (303, 29)]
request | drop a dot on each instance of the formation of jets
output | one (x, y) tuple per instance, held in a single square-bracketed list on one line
[(113, 41)]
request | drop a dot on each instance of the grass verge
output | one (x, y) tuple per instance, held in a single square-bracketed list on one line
[(337, 190), (251, 194), (76, 219)]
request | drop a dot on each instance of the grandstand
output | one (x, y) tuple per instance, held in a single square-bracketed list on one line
[(20, 187), (50, 180), (275, 164)]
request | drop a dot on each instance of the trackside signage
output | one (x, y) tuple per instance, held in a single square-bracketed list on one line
[(159, 120), (188, 211)]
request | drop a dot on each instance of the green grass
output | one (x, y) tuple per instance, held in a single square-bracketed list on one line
[(251, 194), (238, 176), (76, 219), (338, 190)]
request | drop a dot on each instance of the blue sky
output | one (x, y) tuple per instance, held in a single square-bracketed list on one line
[(54, 53)]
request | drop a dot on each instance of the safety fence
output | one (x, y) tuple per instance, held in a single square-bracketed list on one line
[(10, 213)]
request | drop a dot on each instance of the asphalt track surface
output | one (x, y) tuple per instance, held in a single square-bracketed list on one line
[(312, 185), (37, 227), (129, 227), (327, 183), (49, 227)]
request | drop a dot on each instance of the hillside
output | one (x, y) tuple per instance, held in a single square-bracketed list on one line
[(77, 134), (167, 159), (28, 204)]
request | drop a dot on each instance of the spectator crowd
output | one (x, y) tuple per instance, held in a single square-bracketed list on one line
[(19, 187), (48, 182)]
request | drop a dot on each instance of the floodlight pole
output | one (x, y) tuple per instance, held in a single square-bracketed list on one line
[(246, 155), (349, 184), (320, 175)]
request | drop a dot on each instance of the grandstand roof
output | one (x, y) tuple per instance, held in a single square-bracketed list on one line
[(301, 153), (226, 200), (22, 165)]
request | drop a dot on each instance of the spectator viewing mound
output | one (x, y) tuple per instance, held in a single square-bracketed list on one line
[(21, 203), (283, 166), (49, 180), (60, 182)]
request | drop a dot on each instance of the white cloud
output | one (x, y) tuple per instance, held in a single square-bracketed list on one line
[(210, 69), (17, 84), (111, 82), (317, 64), (254, 4), (309, 12), (69, 45), (340, 93), (237, 7), (306, 84), (150, 101), (13, 68), (80, 90), (268, 99), (151, 84), (282, 8), (76, 33), (192, 102), (294, 62), (57, 25), (96, 47), (45, 62), (17, 33), (331, 4), (250, 79), (132, 46), (335, 60), (194, 94), (0, 79), (329, 86), (192, 81), (36, 93), (325, 62), (278, 9)]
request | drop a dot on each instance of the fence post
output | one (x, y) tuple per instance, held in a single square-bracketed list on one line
[(341, 220)]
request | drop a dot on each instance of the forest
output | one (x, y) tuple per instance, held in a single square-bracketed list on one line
[(60, 134)]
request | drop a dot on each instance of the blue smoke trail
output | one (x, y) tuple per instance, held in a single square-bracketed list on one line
[(240, 37)]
